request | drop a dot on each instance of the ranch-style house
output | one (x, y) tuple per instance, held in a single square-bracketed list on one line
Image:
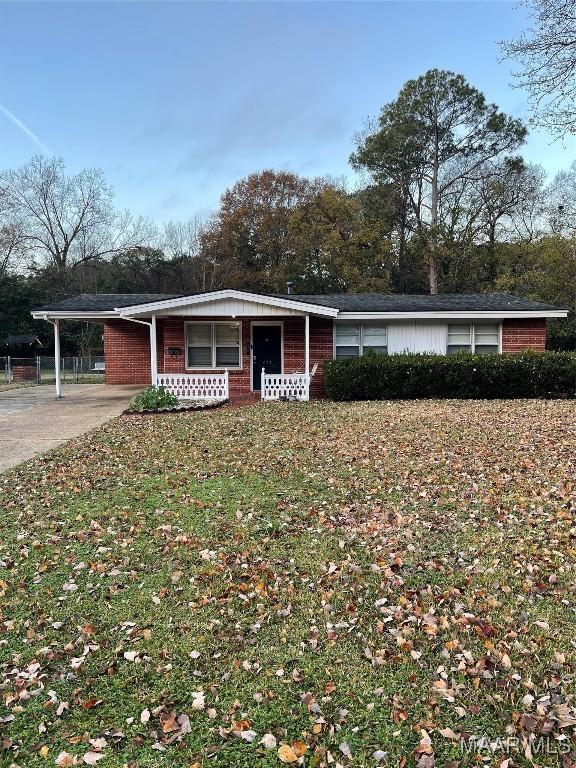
[(235, 342)]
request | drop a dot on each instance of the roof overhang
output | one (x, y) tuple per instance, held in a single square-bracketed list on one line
[(73, 315), (278, 302), (243, 303), (460, 315)]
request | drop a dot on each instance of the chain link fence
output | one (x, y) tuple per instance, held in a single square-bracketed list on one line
[(31, 371)]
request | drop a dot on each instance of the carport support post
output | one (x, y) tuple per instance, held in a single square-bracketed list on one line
[(307, 345), (153, 351), (56, 324)]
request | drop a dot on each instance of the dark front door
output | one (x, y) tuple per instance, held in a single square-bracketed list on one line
[(266, 351)]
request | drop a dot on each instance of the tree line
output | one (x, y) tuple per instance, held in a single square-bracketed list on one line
[(446, 203)]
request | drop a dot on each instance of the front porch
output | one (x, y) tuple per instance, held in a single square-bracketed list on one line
[(220, 346), (273, 386), (215, 357)]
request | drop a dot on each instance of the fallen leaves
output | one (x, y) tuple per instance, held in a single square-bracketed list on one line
[(291, 753), (269, 741), (198, 702), (269, 579), (65, 760), (92, 758)]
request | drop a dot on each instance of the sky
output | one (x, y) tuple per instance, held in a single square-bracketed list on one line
[(175, 101)]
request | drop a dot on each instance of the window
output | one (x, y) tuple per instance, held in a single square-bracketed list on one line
[(355, 339), (479, 338), (213, 345), (486, 339), (374, 337), (347, 340), (227, 343), (459, 339)]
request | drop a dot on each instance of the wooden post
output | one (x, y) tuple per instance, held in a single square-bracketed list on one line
[(262, 383), (153, 351)]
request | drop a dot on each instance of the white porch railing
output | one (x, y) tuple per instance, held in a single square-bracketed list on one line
[(190, 386), (289, 386)]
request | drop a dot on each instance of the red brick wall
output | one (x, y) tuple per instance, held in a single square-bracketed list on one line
[(127, 350), (173, 329), (24, 372), (519, 335), (321, 348)]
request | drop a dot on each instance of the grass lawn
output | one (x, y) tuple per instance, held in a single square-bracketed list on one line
[(317, 584)]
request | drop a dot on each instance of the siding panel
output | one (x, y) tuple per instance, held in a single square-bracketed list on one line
[(227, 307), (414, 336)]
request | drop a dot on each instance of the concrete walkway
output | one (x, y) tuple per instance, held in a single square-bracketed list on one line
[(33, 421)]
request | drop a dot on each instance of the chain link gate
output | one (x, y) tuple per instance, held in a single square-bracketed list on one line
[(32, 371)]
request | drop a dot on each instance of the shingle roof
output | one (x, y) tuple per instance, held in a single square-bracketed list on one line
[(441, 302), (21, 339), (103, 302), (345, 302)]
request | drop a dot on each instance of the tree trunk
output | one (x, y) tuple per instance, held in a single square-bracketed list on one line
[(492, 271), (402, 266), (433, 275), (433, 257)]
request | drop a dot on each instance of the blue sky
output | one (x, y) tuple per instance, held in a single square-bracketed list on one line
[(177, 100)]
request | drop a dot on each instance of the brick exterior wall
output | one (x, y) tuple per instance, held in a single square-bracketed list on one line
[(126, 352), (173, 330), (320, 348), (519, 335), (127, 348)]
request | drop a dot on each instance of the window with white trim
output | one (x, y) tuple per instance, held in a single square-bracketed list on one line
[(355, 339), (213, 345), (479, 338), (375, 338)]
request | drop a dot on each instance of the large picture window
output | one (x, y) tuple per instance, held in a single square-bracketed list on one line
[(213, 345), (355, 339), (480, 338)]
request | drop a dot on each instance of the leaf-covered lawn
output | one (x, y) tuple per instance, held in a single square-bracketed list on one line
[(318, 584)]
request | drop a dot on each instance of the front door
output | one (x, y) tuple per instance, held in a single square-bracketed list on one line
[(266, 351)]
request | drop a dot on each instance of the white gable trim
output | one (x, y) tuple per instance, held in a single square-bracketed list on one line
[(165, 306)]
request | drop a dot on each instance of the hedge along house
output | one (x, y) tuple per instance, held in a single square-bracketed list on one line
[(231, 342)]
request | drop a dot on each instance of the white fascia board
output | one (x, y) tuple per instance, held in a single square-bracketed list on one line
[(87, 316), (199, 298), (522, 315)]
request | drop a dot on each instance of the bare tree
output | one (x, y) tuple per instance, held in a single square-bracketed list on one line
[(11, 247), (11, 237), (512, 201), (561, 203), (546, 54), (200, 268), (68, 219), (182, 238)]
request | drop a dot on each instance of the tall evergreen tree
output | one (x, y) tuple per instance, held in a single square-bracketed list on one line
[(439, 133)]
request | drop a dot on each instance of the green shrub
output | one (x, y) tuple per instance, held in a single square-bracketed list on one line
[(405, 377), (153, 397)]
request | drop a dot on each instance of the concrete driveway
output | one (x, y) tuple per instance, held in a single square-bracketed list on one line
[(33, 421)]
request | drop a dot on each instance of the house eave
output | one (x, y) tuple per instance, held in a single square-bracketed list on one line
[(460, 315), (73, 315)]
